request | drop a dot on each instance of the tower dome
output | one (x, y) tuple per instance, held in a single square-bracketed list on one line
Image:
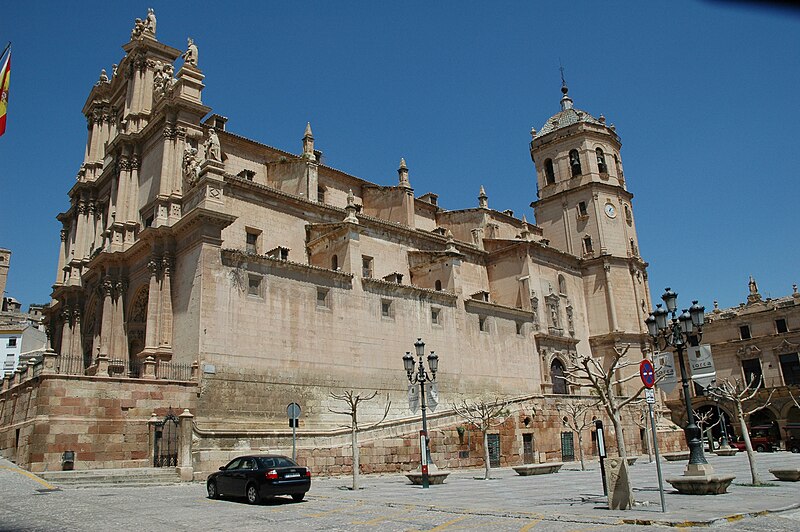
[(566, 117)]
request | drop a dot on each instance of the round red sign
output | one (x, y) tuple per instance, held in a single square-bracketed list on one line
[(647, 373)]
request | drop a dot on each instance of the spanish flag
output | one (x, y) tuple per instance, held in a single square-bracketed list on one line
[(5, 74)]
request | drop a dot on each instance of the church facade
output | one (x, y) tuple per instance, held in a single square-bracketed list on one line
[(202, 270)]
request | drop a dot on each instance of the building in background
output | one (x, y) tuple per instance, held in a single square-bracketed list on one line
[(757, 341), (199, 269)]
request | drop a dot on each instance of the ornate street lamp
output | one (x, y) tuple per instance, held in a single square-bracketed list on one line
[(667, 331), (419, 376)]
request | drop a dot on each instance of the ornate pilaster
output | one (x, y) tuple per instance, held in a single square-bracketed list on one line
[(106, 289), (166, 305), (153, 306)]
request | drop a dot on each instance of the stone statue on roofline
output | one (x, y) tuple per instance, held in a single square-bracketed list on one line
[(162, 78), (150, 22), (190, 55), (138, 29), (212, 147), (191, 165)]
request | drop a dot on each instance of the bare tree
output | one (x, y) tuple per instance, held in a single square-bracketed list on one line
[(737, 393), (703, 420), (351, 401), (575, 416), (584, 370), (483, 414)]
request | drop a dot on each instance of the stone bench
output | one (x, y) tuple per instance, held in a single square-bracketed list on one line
[(789, 475), (538, 469), (434, 477), (676, 457), (726, 451)]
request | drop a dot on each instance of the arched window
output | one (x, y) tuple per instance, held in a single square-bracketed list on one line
[(628, 217), (438, 285), (557, 377), (619, 166), (321, 194), (575, 163), (601, 161), (335, 262), (587, 245), (549, 173)]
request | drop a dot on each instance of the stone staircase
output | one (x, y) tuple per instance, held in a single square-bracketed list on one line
[(93, 478)]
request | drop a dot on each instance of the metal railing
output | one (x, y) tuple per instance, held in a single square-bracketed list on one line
[(134, 369)]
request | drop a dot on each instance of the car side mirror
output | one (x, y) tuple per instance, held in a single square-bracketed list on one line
[(222, 468)]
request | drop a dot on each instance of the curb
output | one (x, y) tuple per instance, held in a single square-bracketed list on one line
[(710, 522)]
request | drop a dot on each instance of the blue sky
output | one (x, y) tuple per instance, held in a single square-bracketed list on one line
[(704, 96)]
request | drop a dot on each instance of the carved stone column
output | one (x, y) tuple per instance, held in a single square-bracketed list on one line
[(151, 340), (119, 341), (77, 335), (66, 332), (165, 328), (185, 469), (106, 324), (62, 255)]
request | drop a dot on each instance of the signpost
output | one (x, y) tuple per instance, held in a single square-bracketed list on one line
[(648, 375), (702, 365), (293, 413), (665, 371), (601, 451)]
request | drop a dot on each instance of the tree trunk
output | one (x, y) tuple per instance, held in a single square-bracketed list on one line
[(751, 456), (580, 449), (486, 461), (620, 437), (356, 462)]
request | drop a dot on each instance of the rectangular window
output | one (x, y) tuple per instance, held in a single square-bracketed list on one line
[(366, 266), (780, 325), (483, 325), (251, 241), (386, 308), (752, 370), (582, 209), (790, 367), (520, 328), (435, 319), (12, 342), (254, 285), (322, 298), (744, 332)]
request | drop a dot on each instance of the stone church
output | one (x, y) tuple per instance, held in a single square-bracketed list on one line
[(203, 271)]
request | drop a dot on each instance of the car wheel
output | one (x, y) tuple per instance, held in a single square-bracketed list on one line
[(796, 449), (760, 448), (297, 497), (212, 490), (252, 494)]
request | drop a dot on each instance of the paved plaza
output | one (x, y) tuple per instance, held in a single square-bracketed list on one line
[(568, 500)]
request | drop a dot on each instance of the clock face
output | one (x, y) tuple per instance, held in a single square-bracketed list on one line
[(611, 212)]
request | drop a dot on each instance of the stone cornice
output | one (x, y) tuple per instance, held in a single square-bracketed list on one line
[(546, 339), (239, 256), (611, 189), (390, 288), (476, 305)]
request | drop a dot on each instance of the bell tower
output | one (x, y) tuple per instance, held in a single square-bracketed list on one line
[(585, 209)]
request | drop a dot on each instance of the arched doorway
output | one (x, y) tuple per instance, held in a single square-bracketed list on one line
[(764, 422), (708, 418), (557, 377)]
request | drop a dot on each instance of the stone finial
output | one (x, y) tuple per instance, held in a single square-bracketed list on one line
[(483, 199), (716, 306), (602, 119), (190, 55), (533, 132), (566, 101), (103, 77), (308, 143), (351, 208), (402, 173), (525, 234), (794, 291), (451, 244)]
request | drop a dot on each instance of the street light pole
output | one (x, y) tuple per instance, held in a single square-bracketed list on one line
[(419, 376), (676, 332)]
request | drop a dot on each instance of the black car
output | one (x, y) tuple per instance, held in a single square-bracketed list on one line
[(259, 477)]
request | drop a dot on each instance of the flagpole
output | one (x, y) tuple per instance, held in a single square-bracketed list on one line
[(8, 47)]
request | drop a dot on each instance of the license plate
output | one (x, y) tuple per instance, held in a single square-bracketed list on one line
[(292, 475)]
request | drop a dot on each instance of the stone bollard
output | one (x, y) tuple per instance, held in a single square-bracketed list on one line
[(151, 439), (102, 365), (149, 368), (49, 358), (620, 496), (185, 469), (195, 371)]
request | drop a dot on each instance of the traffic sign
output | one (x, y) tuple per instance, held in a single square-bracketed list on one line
[(665, 371), (650, 396), (293, 411), (647, 373), (702, 365)]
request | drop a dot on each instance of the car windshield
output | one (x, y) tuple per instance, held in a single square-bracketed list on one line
[(276, 461)]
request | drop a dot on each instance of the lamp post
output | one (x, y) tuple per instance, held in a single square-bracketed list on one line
[(667, 331), (418, 375)]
